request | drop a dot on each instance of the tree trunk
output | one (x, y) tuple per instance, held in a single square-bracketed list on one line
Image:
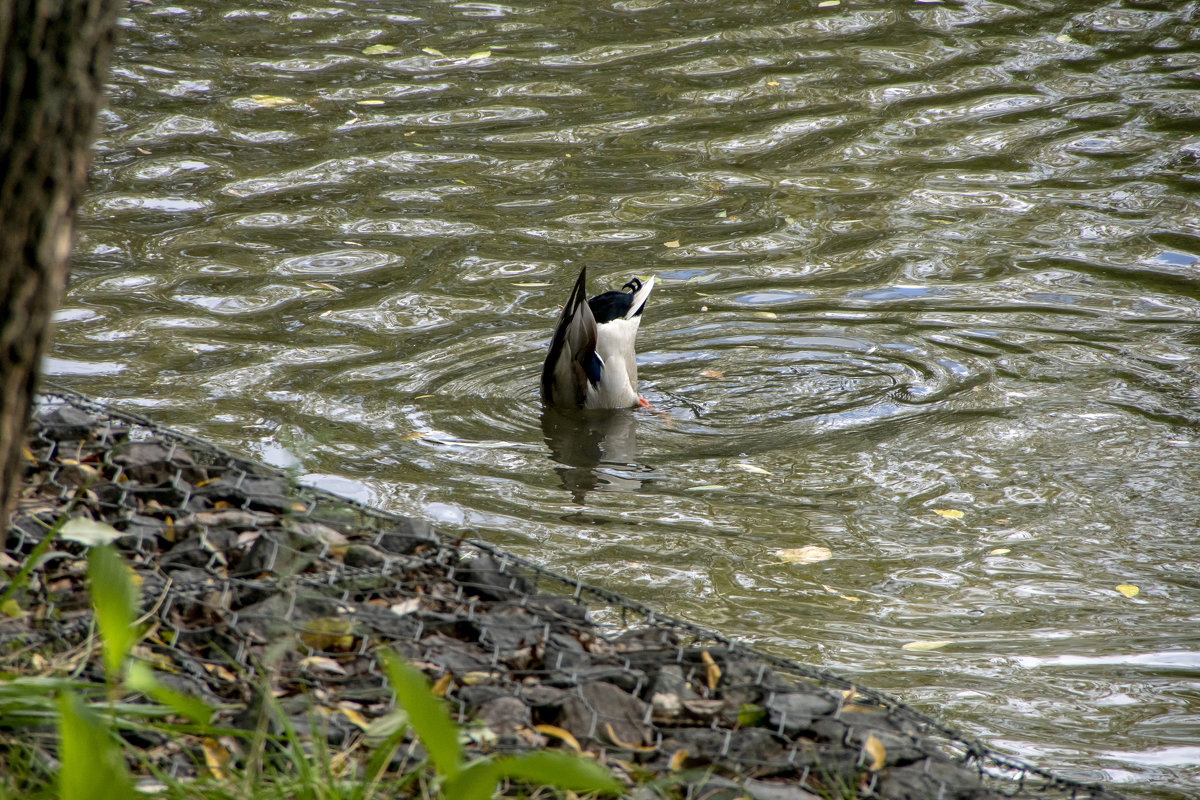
[(53, 61)]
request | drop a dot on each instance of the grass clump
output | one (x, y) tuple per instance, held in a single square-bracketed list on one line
[(78, 740)]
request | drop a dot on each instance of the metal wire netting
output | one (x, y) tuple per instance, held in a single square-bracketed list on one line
[(244, 574)]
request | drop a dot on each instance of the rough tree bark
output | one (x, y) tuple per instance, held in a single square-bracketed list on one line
[(53, 61)]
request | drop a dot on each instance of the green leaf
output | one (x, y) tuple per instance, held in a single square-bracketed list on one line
[(426, 715), (141, 678), (750, 715), (92, 766), (562, 770), (476, 782), (115, 600)]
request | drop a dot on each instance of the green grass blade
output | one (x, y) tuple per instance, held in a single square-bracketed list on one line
[(141, 679), (476, 782), (92, 765), (561, 770), (426, 715), (115, 600)]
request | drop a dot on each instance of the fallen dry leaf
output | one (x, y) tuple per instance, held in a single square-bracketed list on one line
[(878, 753), (564, 736)]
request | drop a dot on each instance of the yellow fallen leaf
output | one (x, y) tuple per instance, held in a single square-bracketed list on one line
[(752, 468), (322, 664), (376, 49), (678, 759), (712, 672), (441, 685), (999, 551), (475, 678), (809, 554), (711, 373), (530, 285), (369, 103), (707, 487), (612, 737), (215, 756), (354, 717), (877, 751), (766, 315), (933, 644), (432, 51), (948, 513), (482, 54), (1128, 589), (671, 244), (562, 735), (328, 633), (326, 286)]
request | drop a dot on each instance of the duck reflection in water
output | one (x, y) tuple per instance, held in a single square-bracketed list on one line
[(596, 450), (589, 380)]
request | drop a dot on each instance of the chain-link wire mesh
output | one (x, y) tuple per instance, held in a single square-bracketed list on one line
[(247, 578)]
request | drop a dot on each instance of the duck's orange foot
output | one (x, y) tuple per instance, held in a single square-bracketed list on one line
[(643, 402)]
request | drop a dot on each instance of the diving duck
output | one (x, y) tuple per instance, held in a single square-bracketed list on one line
[(591, 363)]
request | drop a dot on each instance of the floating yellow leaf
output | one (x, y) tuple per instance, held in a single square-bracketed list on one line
[(772, 83), (829, 3), (711, 373), (433, 51), (1128, 589), (271, 101), (752, 468), (876, 751), (369, 102), (377, 49), (482, 54), (707, 487), (678, 759), (530, 285), (326, 286), (999, 551), (562, 735), (809, 554), (766, 315), (671, 244), (712, 672), (948, 513), (934, 644)]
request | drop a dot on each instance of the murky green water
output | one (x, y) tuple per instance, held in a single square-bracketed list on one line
[(931, 258)]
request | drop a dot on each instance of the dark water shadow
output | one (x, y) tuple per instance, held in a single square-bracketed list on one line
[(596, 450)]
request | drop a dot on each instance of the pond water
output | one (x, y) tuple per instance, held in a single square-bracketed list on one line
[(928, 297)]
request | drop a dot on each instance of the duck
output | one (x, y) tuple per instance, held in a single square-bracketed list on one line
[(591, 363)]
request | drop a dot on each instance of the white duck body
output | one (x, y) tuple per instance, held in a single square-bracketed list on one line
[(592, 363)]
